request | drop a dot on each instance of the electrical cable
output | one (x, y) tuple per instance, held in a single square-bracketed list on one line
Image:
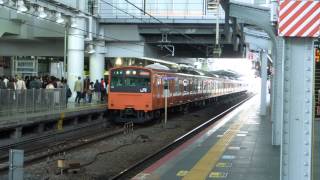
[(86, 31), (109, 37), (161, 22)]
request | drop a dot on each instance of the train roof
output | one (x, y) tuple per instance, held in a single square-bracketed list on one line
[(222, 74)]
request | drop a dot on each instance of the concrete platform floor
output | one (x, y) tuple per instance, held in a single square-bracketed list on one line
[(71, 109), (236, 148)]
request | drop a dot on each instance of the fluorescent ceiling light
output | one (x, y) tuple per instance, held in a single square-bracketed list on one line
[(21, 6), (91, 49), (59, 18), (42, 13), (73, 23)]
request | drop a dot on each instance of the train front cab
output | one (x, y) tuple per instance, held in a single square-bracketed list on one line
[(130, 96)]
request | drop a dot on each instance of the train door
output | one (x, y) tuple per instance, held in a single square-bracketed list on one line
[(177, 90), (158, 91), (171, 91)]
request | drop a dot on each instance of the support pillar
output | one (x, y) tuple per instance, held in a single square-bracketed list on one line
[(40, 128), (297, 118), (263, 94), (17, 133), (97, 63), (76, 52), (277, 103), (227, 33), (235, 39)]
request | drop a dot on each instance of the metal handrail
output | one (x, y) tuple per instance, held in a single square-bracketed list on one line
[(17, 102)]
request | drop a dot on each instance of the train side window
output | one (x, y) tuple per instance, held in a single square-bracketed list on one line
[(177, 88), (185, 86), (194, 86), (159, 87)]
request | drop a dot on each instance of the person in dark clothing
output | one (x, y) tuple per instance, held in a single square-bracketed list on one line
[(12, 84), (90, 91), (68, 90), (103, 89), (32, 84), (2, 84), (97, 90), (86, 84), (27, 81)]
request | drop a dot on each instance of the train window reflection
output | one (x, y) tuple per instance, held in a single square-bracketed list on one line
[(130, 84), (130, 81)]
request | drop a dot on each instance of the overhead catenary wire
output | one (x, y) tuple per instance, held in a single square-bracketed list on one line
[(161, 22), (158, 20), (105, 37), (59, 32)]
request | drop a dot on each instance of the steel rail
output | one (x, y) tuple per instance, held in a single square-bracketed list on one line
[(42, 153)]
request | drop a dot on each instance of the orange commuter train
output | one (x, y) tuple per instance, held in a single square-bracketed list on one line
[(137, 93)]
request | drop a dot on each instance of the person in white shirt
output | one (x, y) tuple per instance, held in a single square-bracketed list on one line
[(6, 80), (20, 85)]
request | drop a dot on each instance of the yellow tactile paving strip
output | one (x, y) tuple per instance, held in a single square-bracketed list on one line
[(204, 166)]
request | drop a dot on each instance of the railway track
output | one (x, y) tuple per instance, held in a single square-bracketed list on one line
[(42, 147), (142, 164), (51, 146)]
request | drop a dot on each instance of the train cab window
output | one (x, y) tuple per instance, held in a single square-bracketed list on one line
[(135, 81)]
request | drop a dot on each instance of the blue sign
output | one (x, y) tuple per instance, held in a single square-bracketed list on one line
[(169, 78)]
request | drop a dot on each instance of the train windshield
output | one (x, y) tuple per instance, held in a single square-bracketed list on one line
[(130, 80)]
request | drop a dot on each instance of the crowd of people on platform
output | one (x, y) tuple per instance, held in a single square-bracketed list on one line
[(33, 82), (85, 89)]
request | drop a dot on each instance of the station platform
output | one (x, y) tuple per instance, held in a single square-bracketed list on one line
[(237, 147), (72, 109)]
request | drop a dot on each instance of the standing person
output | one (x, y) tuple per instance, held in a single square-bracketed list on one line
[(6, 80), (78, 87), (50, 85), (107, 91), (20, 87), (97, 90), (68, 90), (27, 82), (86, 84), (90, 91), (2, 84), (50, 96), (59, 83), (32, 84), (38, 83), (3, 94), (12, 86), (103, 89)]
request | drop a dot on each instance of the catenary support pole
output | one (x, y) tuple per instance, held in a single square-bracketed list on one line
[(277, 106), (263, 94)]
